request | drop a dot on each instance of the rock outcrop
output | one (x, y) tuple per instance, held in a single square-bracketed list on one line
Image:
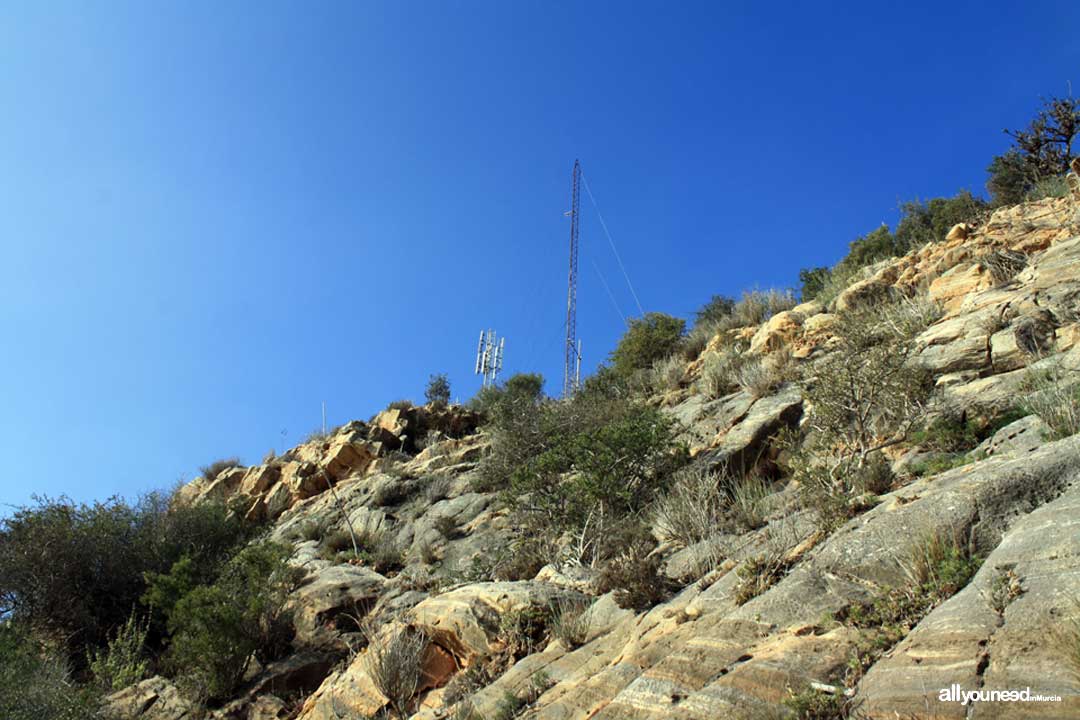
[(1009, 297)]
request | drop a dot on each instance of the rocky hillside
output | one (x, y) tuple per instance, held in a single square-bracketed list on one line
[(782, 616)]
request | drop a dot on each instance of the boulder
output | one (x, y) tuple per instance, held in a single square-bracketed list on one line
[(336, 593), (778, 331), (344, 457), (1017, 438), (466, 621), (745, 443), (152, 699)]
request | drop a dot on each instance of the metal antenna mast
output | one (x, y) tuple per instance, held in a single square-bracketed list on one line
[(571, 368)]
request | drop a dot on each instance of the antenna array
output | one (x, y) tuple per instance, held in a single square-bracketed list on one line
[(489, 357)]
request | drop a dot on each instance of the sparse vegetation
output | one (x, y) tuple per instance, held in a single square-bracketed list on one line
[(693, 508), (394, 664), (939, 566), (920, 223), (1054, 395), (570, 622), (865, 396), (1003, 265), (438, 488), (211, 471), (760, 573), (637, 577), (813, 704)]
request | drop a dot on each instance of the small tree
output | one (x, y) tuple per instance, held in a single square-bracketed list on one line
[(1042, 150), (813, 282), (438, 390), (647, 340)]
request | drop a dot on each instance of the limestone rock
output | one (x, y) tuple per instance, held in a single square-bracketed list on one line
[(980, 642), (745, 443), (338, 592), (1017, 438), (778, 331), (153, 699), (466, 621)]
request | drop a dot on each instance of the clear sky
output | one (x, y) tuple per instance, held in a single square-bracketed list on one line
[(214, 216)]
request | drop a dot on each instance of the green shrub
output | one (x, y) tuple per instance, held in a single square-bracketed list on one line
[(930, 222), (648, 339), (217, 629), (868, 389), (812, 282), (617, 465), (438, 390), (123, 662)]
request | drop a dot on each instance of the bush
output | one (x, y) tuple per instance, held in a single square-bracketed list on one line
[(211, 471), (570, 622), (394, 665), (438, 390), (869, 388), (812, 282), (124, 661), (720, 373), (716, 311), (760, 573), (693, 508), (614, 467), (929, 222), (637, 579), (217, 629), (1003, 265), (35, 683), (648, 339), (74, 572), (760, 376), (813, 704)]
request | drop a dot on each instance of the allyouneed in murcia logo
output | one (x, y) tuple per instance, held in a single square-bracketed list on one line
[(954, 693)]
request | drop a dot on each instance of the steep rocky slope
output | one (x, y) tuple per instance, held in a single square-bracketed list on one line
[(1009, 291)]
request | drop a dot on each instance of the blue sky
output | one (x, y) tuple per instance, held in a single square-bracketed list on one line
[(216, 216)]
